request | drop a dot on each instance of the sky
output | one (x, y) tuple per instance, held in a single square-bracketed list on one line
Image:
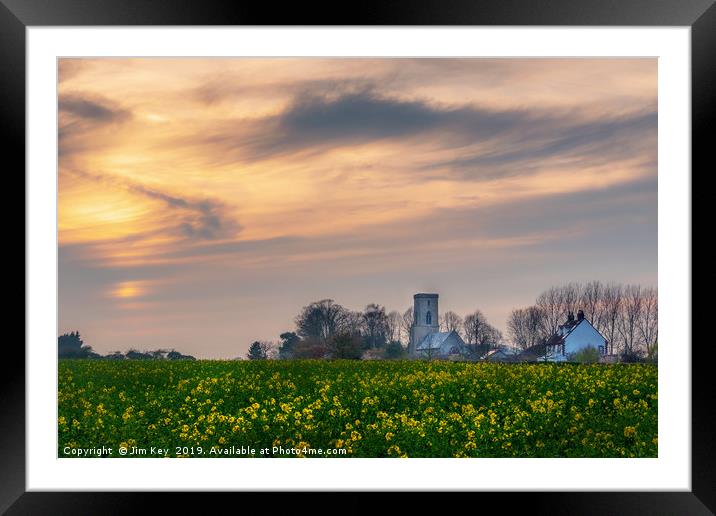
[(203, 202)]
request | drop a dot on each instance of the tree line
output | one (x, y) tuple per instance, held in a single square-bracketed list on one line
[(71, 345), (626, 315), (326, 329)]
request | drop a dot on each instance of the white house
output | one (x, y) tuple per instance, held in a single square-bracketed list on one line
[(572, 337)]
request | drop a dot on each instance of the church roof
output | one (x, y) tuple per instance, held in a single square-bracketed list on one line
[(424, 294), (433, 340)]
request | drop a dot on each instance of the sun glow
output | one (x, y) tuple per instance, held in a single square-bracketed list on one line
[(128, 290)]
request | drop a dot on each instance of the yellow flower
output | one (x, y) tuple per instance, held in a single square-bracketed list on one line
[(629, 431)]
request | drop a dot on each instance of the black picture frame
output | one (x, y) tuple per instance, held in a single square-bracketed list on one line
[(700, 15)]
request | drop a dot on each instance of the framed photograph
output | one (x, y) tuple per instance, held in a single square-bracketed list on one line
[(406, 251)]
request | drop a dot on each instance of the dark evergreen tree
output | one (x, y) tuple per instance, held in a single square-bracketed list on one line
[(287, 347), (256, 352)]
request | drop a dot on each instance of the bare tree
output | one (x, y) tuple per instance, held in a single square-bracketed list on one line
[(477, 330), (375, 325), (526, 327), (551, 303), (270, 349), (517, 328), (321, 320), (395, 320), (353, 323), (630, 316), (407, 324), (481, 336), (649, 320), (571, 295), (450, 321), (591, 302), (611, 312)]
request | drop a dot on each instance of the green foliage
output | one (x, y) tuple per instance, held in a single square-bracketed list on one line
[(588, 355), (71, 345), (632, 357), (345, 346), (175, 355), (368, 408), (134, 354), (395, 350)]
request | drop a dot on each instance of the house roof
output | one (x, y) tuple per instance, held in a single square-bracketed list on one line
[(502, 355), (502, 352), (532, 354), (565, 330), (433, 340), (555, 340)]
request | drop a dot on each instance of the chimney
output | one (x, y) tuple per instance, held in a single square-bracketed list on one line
[(570, 317), (580, 315)]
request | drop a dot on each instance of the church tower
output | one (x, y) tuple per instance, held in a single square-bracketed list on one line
[(425, 319)]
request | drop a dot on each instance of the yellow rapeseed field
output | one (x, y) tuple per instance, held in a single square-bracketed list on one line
[(368, 409)]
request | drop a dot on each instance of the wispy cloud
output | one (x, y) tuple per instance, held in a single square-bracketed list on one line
[(90, 109), (197, 218), (338, 119), (591, 142), (84, 119), (486, 143)]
